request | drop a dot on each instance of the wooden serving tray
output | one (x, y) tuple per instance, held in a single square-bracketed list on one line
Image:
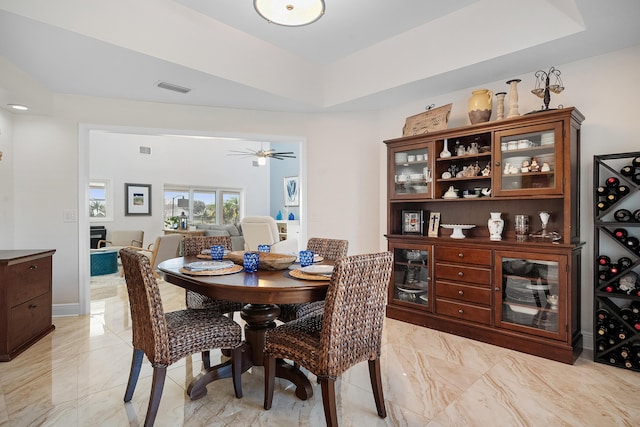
[(268, 260)]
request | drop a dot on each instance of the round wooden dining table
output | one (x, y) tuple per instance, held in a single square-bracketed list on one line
[(261, 292)]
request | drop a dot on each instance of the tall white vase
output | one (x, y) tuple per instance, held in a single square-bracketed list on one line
[(445, 152), (496, 225)]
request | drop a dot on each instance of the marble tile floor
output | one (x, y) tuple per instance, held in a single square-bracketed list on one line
[(76, 376)]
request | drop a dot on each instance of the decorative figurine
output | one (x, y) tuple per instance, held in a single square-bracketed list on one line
[(535, 167), (487, 170)]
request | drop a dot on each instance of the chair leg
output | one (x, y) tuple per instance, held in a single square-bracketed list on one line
[(206, 359), (134, 373), (329, 401), (236, 367), (376, 386), (269, 380), (159, 375)]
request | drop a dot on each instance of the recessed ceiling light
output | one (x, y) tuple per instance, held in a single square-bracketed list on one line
[(18, 107)]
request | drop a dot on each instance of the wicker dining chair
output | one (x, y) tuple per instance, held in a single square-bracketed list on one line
[(330, 249), (192, 246), (165, 338), (348, 332)]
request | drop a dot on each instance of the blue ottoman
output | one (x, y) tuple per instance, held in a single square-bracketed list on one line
[(104, 262)]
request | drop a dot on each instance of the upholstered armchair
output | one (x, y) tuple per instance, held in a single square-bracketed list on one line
[(263, 230)]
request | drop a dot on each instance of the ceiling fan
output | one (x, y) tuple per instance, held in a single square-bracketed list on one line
[(262, 155)]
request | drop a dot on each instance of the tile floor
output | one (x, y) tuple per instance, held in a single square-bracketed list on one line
[(76, 376)]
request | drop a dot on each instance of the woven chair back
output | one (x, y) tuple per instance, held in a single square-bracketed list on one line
[(149, 325), (354, 312), (192, 246), (331, 249)]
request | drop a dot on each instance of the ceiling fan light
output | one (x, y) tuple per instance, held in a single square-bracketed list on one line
[(290, 13), (262, 161)]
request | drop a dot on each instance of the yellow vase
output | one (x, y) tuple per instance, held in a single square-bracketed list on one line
[(480, 106)]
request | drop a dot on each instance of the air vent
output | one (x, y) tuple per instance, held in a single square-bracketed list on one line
[(145, 150), (175, 88)]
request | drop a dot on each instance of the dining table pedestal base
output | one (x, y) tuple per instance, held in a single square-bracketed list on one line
[(259, 319)]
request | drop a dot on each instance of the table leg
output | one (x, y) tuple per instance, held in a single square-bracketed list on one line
[(259, 318)]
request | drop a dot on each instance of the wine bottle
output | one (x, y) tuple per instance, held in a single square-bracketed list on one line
[(632, 242), (601, 344), (624, 263), (620, 234), (611, 287), (612, 325), (614, 269), (627, 170), (635, 307), (602, 205), (625, 313), (622, 190), (622, 333), (602, 330), (603, 261), (604, 275), (602, 314), (625, 352), (614, 359), (628, 363), (622, 215), (636, 162), (612, 182), (611, 198), (635, 350), (601, 191), (636, 178), (636, 215)]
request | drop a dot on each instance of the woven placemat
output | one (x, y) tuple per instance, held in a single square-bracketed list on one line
[(206, 256), (220, 272), (305, 276)]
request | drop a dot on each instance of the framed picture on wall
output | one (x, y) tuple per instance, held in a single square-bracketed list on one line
[(291, 191), (137, 199), (413, 222)]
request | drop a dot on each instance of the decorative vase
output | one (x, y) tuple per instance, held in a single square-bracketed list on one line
[(500, 101), (445, 152), (513, 98), (291, 217), (480, 106), (496, 225)]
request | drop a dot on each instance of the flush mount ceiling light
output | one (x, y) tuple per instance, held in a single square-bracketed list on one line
[(290, 13), (18, 107)]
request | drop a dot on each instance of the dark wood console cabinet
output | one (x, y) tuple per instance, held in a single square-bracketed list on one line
[(25, 299), (521, 293)]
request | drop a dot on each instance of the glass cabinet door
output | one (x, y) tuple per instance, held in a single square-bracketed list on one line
[(410, 171), (531, 293), (529, 160), (411, 278)]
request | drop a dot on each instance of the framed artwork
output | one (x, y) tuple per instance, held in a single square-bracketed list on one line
[(413, 222), (434, 224), (137, 199), (291, 191)]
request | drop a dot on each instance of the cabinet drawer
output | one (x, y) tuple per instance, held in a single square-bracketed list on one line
[(463, 311), (28, 280), (463, 293), (28, 319), (460, 273), (464, 255)]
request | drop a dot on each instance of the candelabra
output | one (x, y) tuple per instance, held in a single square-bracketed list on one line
[(544, 88)]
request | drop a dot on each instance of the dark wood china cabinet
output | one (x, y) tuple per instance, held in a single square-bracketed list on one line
[(521, 292)]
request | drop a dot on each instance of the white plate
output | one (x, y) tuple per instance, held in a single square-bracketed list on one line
[(424, 297), (537, 287), (412, 291), (208, 252), (470, 196), (208, 265), (523, 310), (317, 269)]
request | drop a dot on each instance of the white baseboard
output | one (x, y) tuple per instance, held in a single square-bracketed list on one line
[(63, 310)]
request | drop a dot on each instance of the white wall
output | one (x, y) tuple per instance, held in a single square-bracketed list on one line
[(6, 180), (344, 160), (176, 160)]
